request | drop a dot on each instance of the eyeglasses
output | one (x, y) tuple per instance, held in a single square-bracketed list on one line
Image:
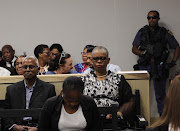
[(47, 53), (153, 17), (99, 58), (89, 58), (83, 53), (30, 67), (53, 54)]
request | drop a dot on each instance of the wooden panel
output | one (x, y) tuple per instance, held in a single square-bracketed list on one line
[(144, 95), (56, 80), (135, 75)]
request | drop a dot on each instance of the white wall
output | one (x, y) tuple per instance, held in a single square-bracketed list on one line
[(74, 23)]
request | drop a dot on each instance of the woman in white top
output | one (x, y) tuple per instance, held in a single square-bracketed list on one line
[(71, 110), (170, 118)]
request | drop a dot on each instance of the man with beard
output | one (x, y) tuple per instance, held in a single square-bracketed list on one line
[(150, 44), (27, 94)]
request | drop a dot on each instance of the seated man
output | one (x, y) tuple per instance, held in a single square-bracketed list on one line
[(8, 54), (42, 53), (111, 67), (27, 94)]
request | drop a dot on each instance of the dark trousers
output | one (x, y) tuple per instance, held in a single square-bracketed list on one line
[(159, 87)]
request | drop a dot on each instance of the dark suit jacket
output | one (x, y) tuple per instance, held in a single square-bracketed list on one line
[(51, 112), (16, 98)]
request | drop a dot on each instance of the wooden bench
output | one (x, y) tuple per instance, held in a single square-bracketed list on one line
[(137, 80)]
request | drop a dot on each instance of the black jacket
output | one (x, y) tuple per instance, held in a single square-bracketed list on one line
[(51, 112), (16, 98)]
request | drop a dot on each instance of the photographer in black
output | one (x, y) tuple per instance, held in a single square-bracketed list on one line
[(150, 44)]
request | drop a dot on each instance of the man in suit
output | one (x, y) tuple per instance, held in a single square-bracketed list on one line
[(27, 94)]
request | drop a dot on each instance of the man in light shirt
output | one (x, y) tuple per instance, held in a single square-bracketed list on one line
[(27, 94)]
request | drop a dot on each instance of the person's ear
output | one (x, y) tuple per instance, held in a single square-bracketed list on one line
[(39, 55), (62, 94), (61, 65)]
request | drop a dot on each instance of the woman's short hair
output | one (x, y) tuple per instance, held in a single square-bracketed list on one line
[(73, 83), (39, 49), (100, 49), (60, 59), (90, 49), (88, 46), (56, 46)]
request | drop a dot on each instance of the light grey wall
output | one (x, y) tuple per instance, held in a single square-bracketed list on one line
[(74, 23)]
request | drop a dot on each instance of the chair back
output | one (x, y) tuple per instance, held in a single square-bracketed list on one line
[(15, 113), (110, 110)]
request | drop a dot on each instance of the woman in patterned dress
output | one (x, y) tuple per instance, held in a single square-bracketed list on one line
[(107, 87)]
